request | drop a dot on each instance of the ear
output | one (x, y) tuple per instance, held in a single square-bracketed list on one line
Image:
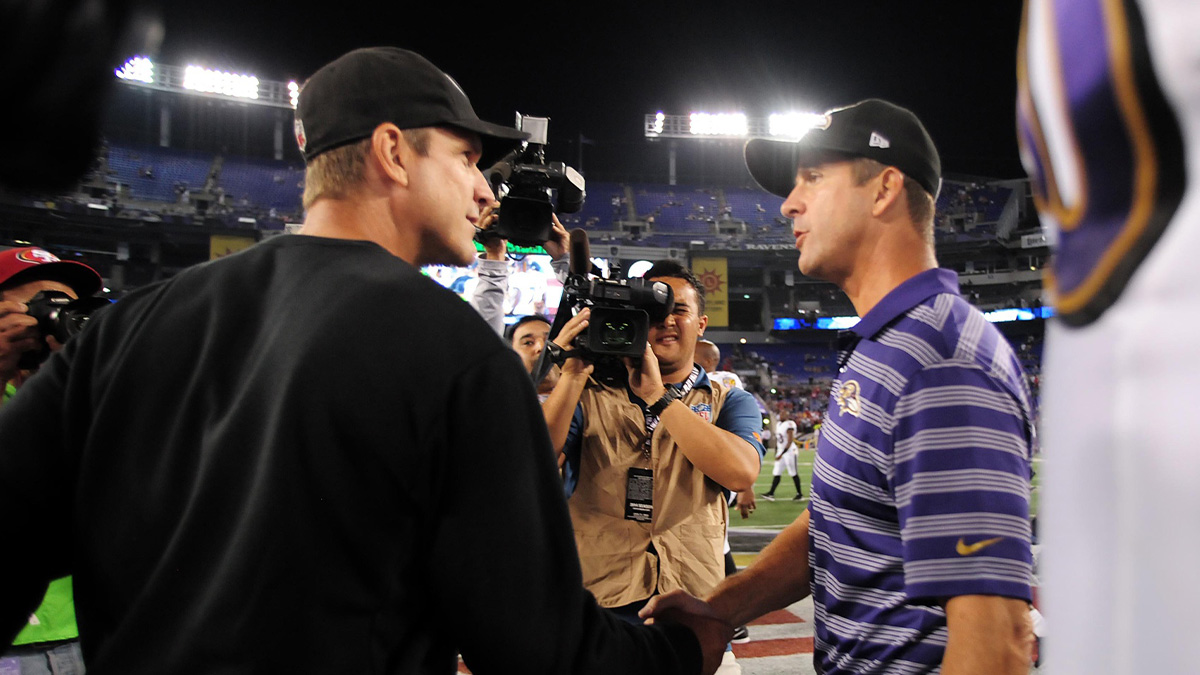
[(391, 152), (701, 324), (890, 190)]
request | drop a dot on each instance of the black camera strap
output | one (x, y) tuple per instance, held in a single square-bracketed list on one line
[(552, 353), (652, 419)]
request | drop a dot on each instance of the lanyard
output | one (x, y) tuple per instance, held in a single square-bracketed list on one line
[(652, 420)]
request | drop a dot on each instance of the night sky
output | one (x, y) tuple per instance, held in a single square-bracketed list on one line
[(597, 68)]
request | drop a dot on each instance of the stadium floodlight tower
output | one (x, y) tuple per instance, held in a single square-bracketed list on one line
[(193, 80), (727, 126)]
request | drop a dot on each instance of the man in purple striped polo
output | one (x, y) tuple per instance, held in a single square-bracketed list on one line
[(916, 544)]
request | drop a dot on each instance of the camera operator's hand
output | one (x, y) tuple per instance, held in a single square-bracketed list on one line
[(494, 247), (573, 376), (559, 240), (18, 334), (645, 380), (571, 330)]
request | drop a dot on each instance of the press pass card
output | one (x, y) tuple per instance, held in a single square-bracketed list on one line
[(639, 495)]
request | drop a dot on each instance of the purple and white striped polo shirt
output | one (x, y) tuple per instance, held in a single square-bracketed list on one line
[(920, 488)]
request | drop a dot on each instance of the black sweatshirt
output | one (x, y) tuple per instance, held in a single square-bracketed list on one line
[(305, 457)]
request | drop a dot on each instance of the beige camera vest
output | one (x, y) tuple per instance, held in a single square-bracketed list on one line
[(687, 529)]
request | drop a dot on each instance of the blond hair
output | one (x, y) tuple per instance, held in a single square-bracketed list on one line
[(336, 173)]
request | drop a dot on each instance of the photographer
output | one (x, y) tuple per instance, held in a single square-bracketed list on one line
[(646, 461), (49, 641)]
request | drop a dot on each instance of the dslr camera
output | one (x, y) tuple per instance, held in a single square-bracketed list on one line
[(530, 189), (60, 316)]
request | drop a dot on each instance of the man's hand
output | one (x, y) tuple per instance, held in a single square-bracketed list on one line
[(494, 247), (645, 380), (557, 244), (571, 330), (746, 502), (713, 632), (18, 334)]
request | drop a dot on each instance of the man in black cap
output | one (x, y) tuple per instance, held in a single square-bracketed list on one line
[(279, 466), (916, 544)]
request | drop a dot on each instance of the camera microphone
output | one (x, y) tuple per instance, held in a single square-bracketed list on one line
[(581, 259)]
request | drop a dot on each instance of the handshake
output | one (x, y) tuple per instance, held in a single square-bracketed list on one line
[(712, 631)]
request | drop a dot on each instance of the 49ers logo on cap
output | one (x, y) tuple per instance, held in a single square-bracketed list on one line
[(37, 256), (301, 139)]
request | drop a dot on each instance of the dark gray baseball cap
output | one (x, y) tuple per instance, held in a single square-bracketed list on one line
[(346, 99), (874, 128)]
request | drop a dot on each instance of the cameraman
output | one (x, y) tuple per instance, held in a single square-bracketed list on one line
[(49, 642), (669, 433), (491, 289)]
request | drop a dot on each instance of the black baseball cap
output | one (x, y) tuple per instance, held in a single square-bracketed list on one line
[(873, 128), (345, 100)]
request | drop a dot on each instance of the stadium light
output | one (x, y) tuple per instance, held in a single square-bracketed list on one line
[(719, 124), (658, 122), (293, 93), (220, 82), (137, 69), (794, 124)]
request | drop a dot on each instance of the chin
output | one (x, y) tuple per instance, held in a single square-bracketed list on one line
[(458, 258), (666, 358)]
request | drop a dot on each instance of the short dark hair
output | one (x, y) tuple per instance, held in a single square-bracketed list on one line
[(512, 329), (920, 202), (670, 268)]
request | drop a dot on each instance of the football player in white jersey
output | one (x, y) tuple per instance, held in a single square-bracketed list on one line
[(786, 453), (1109, 125)]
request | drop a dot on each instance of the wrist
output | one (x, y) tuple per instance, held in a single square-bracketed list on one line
[(573, 376), (666, 398)]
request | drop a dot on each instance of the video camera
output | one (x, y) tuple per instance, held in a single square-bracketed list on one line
[(622, 312), (525, 183), (58, 315)]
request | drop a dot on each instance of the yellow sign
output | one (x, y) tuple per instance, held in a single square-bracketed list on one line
[(220, 245), (713, 274)]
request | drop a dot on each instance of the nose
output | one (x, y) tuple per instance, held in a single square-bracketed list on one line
[(793, 205), (483, 192)]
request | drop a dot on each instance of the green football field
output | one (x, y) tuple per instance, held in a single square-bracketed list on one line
[(783, 510)]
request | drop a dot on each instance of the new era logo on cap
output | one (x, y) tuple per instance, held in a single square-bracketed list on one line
[(878, 141)]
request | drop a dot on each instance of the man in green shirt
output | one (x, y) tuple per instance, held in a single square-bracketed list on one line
[(50, 641)]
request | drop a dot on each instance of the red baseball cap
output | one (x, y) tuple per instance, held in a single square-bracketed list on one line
[(32, 263)]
